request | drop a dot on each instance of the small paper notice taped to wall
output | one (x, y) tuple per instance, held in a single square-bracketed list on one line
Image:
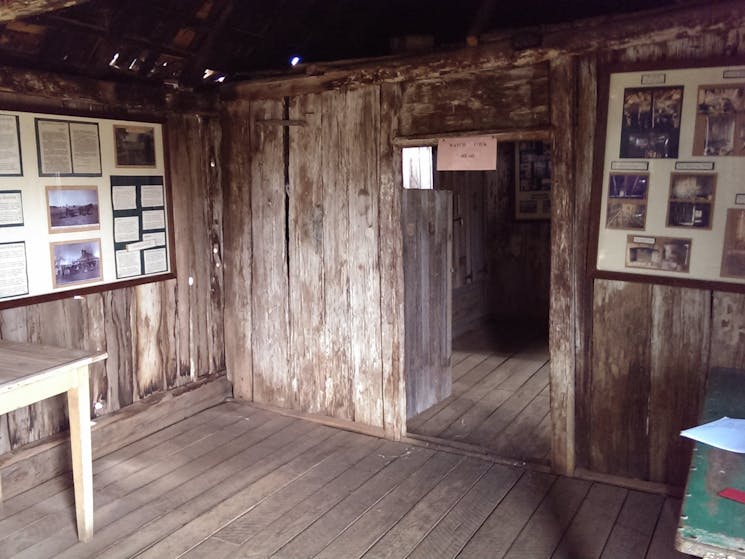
[(470, 153)]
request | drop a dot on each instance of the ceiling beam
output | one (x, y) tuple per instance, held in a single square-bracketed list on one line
[(17, 9)]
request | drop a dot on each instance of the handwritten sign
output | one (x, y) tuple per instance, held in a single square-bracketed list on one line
[(473, 153)]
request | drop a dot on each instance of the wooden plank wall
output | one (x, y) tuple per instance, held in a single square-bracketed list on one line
[(315, 285), (321, 265), (428, 226), (159, 335), (642, 380)]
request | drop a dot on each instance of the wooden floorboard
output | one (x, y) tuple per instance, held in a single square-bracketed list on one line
[(500, 400), (237, 482)]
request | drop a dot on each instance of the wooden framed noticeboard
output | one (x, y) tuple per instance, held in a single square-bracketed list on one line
[(84, 205), (669, 190)]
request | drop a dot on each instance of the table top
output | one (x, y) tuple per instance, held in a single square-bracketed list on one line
[(710, 523), (25, 363)]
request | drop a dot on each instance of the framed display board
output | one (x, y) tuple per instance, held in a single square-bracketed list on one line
[(84, 205), (532, 179), (669, 193)]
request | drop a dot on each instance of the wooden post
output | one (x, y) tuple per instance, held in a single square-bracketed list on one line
[(78, 401), (563, 312)]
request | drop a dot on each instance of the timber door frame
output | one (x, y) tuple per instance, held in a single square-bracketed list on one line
[(565, 324)]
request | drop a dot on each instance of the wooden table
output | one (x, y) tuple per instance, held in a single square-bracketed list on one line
[(30, 373), (711, 526)]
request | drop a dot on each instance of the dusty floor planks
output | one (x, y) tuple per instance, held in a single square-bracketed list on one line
[(236, 482), (500, 398)]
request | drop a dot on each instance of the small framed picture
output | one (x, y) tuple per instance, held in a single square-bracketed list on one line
[(76, 262), (720, 120), (72, 208), (134, 145), (691, 202), (650, 127), (532, 180), (627, 201)]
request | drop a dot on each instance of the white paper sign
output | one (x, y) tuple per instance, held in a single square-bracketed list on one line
[(153, 219), (126, 229), (155, 261), (151, 195), (472, 153), (128, 264)]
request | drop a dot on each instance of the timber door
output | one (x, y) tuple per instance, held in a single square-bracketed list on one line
[(427, 226)]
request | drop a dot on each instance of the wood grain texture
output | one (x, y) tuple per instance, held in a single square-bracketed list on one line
[(679, 363), (728, 330), (269, 329), (306, 225), (237, 248), (427, 106), (363, 124), (620, 391), (428, 229), (393, 328), (562, 314)]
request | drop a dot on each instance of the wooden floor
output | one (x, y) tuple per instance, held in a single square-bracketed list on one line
[(500, 399), (237, 481)]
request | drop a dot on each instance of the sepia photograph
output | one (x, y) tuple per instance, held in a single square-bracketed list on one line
[(650, 127), (135, 146), (76, 262), (72, 208), (691, 200), (658, 253), (627, 201), (720, 120), (733, 252)]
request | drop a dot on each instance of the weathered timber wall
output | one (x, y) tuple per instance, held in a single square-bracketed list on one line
[(158, 335), (315, 277), (643, 351)]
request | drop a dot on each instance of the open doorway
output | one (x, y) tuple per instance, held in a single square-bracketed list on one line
[(499, 287)]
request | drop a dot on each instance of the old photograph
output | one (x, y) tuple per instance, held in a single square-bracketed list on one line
[(650, 128), (733, 252), (627, 201), (720, 120), (691, 201), (76, 262), (658, 253), (135, 146), (73, 208)]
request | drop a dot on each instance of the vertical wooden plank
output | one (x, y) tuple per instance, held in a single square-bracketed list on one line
[(307, 306), (336, 173), (148, 357), (427, 221), (363, 125), (585, 149), (620, 391), (728, 330), (13, 327), (212, 140), (562, 318), (391, 266), (118, 331), (270, 335), (94, 339), (183, 209), (237, 257), (679, 365)]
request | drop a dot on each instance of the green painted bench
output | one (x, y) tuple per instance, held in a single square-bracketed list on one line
[(711, 526)]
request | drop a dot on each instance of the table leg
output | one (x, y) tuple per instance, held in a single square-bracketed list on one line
[(78, 402)]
